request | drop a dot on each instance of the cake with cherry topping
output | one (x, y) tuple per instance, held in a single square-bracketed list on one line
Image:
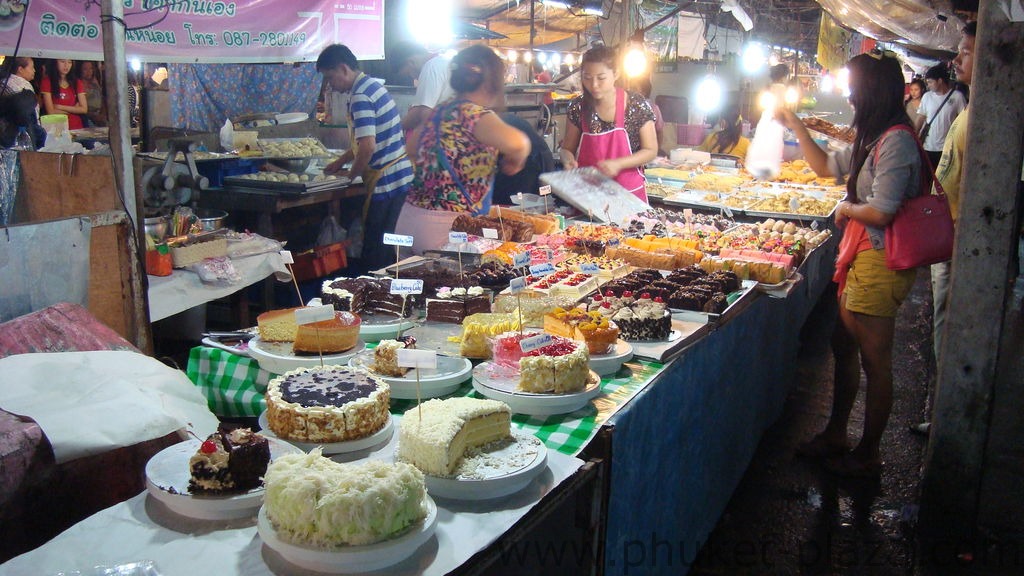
[(561, 367), (327, 404), (596, 330), (229, 461)]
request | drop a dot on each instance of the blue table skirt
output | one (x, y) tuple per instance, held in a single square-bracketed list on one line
[(682, 446)]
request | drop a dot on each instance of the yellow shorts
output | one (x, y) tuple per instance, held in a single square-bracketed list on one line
[(873, 289)]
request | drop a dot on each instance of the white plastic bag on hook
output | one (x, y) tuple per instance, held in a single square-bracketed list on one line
[(764, 157)]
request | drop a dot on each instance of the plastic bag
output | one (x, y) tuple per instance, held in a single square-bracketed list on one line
[(227, 136), (355, 236), (330, 232), (764, 157), (216, 271)]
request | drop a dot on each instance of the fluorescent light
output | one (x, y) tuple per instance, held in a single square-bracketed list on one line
[(430, 23), (135, 64), (709, 94), (827, 84)]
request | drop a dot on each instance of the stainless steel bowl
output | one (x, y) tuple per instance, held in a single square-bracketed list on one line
[(210, 219), (156, 227), (293, 165)]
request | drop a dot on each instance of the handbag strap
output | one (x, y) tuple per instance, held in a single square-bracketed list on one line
[(928, 125), (925, 160)]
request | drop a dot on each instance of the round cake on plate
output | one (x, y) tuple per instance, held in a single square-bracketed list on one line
[(561, 367), (327, 404)]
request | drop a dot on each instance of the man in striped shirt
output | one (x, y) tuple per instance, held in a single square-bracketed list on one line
[(377, 150)]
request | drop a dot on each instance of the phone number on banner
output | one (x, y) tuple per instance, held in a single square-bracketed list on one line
[(243, 38)]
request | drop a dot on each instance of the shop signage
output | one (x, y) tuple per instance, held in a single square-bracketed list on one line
[(201, 30)]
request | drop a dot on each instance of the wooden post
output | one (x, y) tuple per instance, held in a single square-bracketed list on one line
[(115, 76), (955, 464)]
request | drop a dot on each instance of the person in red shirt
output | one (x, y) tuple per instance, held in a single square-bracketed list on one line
[(64, 93)]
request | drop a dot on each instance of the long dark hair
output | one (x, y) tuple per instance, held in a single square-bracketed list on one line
[(54, 75), (876, 93), (730, 134)]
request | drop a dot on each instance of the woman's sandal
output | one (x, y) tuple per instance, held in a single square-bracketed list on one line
[(850, 466), (818, 447)]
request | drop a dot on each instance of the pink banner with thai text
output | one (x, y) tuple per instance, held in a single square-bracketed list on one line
[(196, 30)]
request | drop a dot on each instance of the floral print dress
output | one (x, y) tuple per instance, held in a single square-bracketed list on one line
[(454, 171)]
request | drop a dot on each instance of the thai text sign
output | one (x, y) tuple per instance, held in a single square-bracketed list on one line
[(201, 30)]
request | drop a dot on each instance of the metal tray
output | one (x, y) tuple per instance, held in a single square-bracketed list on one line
[(789, 216), (237, 183)]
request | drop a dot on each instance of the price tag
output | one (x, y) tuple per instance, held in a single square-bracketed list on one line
[(728, 211), (311, 314), (521, 259), (687, 213), (491, 233), (413, 358), (286, 256), (517, 285), (533, 342), (542, 269), (545, 190), (397, 240), (590, 268), (458, 237), (794, 205), (814, 225), (406, 286)]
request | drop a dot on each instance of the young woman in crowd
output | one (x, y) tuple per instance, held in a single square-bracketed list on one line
[(884, 168), (728, 139), (64, 93)]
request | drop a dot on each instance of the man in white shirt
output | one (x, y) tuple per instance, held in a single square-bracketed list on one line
[(940, 105), (432, 73)]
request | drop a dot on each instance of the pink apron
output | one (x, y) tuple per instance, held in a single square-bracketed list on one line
[(595, 147)]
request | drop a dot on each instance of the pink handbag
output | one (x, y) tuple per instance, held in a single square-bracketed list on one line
[(921, 232)]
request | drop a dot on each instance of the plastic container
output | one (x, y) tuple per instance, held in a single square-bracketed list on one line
[(23, 141), (55, 125), (218, 170), (320, 261)]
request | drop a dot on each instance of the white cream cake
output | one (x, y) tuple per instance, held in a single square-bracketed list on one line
[(312, 500), (437, 443)]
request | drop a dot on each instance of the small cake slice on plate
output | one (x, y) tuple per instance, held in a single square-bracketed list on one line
[(385, 356), (434, 436), (229, 462)]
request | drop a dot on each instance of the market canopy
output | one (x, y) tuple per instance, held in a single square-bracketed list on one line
[(209, 31)]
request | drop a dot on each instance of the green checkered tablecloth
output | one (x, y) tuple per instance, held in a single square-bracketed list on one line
[(234, 387)]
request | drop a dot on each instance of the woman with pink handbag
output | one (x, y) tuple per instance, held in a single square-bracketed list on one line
[(884, 168)]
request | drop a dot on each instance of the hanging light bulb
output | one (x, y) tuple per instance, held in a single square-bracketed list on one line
[(753, 58), (135, 64), (555, 59), (635, 62), (527, 57), (709, 94), (513, 55), (542, 57), (792, 96), (827, 84), (569, 60), (766, 101)]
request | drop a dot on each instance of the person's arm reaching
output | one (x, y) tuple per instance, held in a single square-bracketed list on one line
[(570, 143), (513, 145), (815, 156)]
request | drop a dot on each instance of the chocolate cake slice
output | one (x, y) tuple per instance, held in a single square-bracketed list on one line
[(227, 462)]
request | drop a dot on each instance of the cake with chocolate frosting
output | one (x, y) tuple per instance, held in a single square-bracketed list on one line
[(364, 295), (229, 461), (327, 404), (452, 305), (644, 319)]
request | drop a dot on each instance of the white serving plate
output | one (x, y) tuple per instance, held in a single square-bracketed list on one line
[(503, 469), (378, 437), (350, 559), (504, 389), (450, 373), (611, 362), (168, 470), (377, 328), (278, 358)]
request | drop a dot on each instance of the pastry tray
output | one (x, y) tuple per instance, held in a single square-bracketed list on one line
[(237, 183), (789, 216)]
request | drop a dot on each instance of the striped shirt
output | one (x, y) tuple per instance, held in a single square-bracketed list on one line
[(372, 112)]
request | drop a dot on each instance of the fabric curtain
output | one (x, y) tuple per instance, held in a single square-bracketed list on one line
[(202, 96)]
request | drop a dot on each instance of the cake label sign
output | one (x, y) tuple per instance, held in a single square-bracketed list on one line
[(407, 286), (517, 285), (545, 190), (397, 240), (286, 257), (590, 268), (521, 259), (311, 314), (412, 358), (458, 237), (491, 233), (542, 269), (534, 342)]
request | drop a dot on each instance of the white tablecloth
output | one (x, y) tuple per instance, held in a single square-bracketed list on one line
[(143, 529), (169, 295)]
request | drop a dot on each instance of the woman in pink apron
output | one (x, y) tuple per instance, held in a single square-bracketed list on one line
[(609, 128)]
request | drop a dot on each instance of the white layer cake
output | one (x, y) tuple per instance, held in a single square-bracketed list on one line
[(437, 443)]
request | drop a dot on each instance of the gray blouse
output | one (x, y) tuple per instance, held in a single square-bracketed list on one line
[(886, 184)]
